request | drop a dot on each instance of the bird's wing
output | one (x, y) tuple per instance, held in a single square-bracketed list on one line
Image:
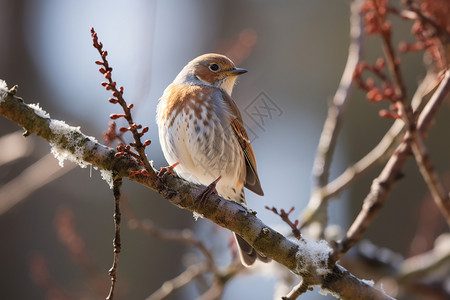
[(252, 180)]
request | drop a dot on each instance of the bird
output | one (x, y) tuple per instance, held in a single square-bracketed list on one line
[(201, 132)]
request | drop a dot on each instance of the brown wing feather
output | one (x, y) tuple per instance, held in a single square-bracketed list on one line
[(252, 180)]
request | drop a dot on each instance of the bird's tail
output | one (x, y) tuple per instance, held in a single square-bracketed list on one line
[(247, 253)]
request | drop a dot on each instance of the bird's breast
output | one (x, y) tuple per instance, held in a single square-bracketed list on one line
[(196, 132)]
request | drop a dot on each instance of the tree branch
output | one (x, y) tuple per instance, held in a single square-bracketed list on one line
[(303, 258), (431, 177), (180, 281), (380, 153), (117, 184), (333, 123), (383, 184)]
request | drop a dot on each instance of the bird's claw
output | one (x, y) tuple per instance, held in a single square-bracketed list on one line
[(164, 171), (210, 189)]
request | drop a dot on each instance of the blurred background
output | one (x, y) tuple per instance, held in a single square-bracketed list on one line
[(56, 241)]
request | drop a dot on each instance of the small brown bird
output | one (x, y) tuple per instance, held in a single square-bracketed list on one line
[(201, 128)]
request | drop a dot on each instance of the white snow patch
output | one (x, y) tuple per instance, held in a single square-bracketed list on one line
[(61, 129), (3, 86), (73, 139), (39, 111), (312, 253), (108, 177), (368, 282), (197, 215)]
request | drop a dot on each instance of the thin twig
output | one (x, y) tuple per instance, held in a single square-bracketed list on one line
[(14, 147), (441, 32), (380, 189), (178, 282), (383, 184), (332, 126), (382, 151), (185, 236), (420, 266), (42, 172), (418, 147), (430, 110), (220, 280), (297, 291), (423, 159), (336, 111), (285, 217), (117, 183), (117, 93)]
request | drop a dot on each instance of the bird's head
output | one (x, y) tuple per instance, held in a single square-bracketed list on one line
[(212, 69)]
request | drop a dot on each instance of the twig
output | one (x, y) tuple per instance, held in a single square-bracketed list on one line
[(285, 217), (14, 147), (380, 189), (418, 147), (381, 151), (382, 185), (421, 265), (441, 32), (221, 278), (118, 98), (323, 191), (183, 236), (430, 110), (42, 172), (298, 290), (117, 183), (332, 126), (333, 123), (437, 188), (178, 282)]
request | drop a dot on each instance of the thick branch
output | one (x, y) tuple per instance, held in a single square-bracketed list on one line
[(299, 257)]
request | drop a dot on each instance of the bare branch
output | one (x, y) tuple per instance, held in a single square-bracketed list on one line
[(32, 178), (298, 290), (423, 159), (180, 281), (295, 256), (185, 236), (328, 139), (116, 242), (382, 185), (380, 189), (221, 278), (332, 126), (14, 147), (383, 150), (285, 217), (421, 265)]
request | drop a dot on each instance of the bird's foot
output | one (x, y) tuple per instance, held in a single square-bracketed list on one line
[(164, 171), (207, 192)]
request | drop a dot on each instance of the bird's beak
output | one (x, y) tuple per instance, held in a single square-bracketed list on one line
[(235, 72)]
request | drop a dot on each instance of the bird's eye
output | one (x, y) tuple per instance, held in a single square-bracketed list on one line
[(214, 67)]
